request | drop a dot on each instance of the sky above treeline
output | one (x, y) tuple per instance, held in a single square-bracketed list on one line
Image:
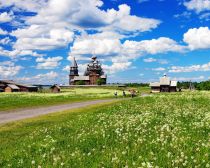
[(135, 40)]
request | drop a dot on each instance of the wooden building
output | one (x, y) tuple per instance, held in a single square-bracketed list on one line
[(22, 87), (11, 88), (165, 85), (55, 89), (93, 72)]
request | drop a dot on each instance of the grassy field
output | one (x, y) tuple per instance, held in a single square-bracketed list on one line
[(9, 101), (163, 130)]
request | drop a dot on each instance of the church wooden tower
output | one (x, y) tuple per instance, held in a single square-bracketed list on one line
[(94, 70), (73, 71)]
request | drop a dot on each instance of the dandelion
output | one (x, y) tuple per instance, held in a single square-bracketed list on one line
[(33, 162)]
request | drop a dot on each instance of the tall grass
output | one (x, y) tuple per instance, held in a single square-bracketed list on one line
[(165, 130)]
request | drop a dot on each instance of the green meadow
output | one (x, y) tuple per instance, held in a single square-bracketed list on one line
[(10, 101), (162, 130)]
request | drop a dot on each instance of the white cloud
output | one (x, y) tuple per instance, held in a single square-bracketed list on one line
[(5, 17), (49, 75), (38, 37), (192, 68), (32, 5), (198, 38), (116, 67), (3, 32), (8, 69), (108, 44), (150, 60), (16, 53), (154, 46), (48, 63), (86, 14), (96, 46), (54, 22), (159, 69), (126, 22), (44, 78), (198, 5)]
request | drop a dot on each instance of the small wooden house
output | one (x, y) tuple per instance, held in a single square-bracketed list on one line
[(22, 87), (12, 88), (165, 85), (55, 89), (155, 87)]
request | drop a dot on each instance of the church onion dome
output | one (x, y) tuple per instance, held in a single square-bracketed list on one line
[(93, 57)]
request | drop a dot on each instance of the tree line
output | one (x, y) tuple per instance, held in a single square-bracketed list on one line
[(204, 85)]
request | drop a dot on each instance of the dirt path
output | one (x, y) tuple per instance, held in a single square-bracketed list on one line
[(6, 117)]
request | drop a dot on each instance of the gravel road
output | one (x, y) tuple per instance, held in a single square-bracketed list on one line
[(6, 117)]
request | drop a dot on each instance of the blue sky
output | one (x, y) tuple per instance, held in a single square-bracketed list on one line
[(136, 41)]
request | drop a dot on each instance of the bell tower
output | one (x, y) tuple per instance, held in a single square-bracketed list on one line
[(73, 71)]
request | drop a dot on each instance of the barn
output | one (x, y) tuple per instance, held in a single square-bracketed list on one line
[(22, 87), (12, 88), (55, 89)]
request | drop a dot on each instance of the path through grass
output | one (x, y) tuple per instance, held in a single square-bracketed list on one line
[(169, 130)]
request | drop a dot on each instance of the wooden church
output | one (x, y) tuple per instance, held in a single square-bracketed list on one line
[(93, 72)]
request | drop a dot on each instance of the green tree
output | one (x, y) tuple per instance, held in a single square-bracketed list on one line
[(81, 82), (100, 81)]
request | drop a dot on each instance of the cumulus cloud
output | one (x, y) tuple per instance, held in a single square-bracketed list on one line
[(111, 46), (198, 38), (86, 14), (192, 68), (49, 75), (5, 17), (38, 37), (40, 78), (16, 53), (96, 44), (32, 5), (116, 67), (198, 5), (108, 46), (48, 63), (154, 46), (9, 69)]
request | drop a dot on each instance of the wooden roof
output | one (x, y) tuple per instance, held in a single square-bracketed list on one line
[(13, 86), (81, 78), (55, 86)]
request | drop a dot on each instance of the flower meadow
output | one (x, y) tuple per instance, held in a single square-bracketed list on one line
[(163, 130), (15, 100)]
